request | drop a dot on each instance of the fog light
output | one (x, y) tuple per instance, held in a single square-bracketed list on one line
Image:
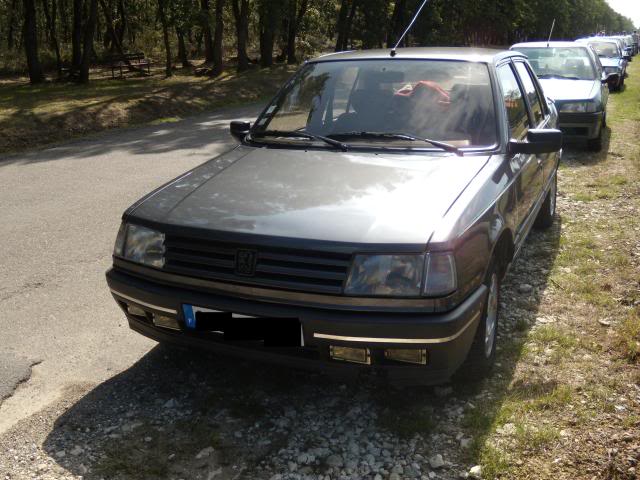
[(407, 355), (165, 322), (348, 354), (133, 310)]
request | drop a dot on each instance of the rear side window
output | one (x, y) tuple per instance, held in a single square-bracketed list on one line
[(530, 90), (514, 101)]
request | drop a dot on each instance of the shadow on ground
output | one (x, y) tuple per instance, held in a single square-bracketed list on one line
[(185, 414), (577, 154), (194, 133)]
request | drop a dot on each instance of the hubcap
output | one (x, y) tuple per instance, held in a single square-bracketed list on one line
[(492, 317)]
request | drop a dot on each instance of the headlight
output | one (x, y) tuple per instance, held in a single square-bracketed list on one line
[(582, 107), (140, 244), (402, 275), (611, 70)]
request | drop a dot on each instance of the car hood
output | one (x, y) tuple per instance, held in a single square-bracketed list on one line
[(564, 89), (315, 194), (610, 61)]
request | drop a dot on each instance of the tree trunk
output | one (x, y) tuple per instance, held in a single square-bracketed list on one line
[(241, 15), (64, 20), (352, 13), (87, 50), (182, 49), (30, 35), (295, 18), (396, 23), (116, 42), (217, 40), (50, 19), (165, 35), (122, 28), (10, 17), (206, 30), (342, 24), (76, 36), (267, 26)]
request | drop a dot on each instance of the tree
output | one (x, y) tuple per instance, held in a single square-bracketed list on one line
[(165, 35), (241, 16), (269, 13), (206, 30), (30, 35), (295, 17), (217, 40), (397, 22), (87, 50), (50, 17), (76, 37)]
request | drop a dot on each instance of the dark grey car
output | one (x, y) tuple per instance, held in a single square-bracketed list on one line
[(367, 217)]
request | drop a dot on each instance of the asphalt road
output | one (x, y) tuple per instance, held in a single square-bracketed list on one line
[(59, 213)]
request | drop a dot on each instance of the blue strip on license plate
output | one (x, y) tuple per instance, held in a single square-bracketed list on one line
[(189, 316)]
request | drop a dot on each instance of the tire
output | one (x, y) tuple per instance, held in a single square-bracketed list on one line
[(482, 353), (595, 144), (547, 212)]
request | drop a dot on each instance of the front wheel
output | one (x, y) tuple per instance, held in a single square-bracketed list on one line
[(482, 354), (595, 144), (547, 212)]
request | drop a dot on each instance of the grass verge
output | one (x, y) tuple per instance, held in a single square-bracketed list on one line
[(33, 116)]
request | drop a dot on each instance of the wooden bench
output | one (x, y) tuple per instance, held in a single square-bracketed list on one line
[(118, 62)]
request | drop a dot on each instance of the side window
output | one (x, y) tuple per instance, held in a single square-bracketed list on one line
[(531, 91), (516, 108)]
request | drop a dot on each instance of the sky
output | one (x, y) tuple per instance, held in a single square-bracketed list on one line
[(628, 8)]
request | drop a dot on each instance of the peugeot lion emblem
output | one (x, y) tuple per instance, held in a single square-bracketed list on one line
[(246, 262)]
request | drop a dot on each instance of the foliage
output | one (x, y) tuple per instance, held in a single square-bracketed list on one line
[(371, 25)]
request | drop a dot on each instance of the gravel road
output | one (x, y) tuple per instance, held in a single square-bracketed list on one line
[(103, 402)]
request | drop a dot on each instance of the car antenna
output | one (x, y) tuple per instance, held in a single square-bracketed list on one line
[(415, 17), (553, 24)]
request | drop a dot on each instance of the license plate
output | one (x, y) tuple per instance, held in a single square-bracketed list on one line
[(272, 331)]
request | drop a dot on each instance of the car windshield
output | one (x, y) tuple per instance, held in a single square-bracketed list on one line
[(560, 62), (385, 103), (605, 49)]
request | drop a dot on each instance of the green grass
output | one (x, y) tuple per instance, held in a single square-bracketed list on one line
[(629, 337)]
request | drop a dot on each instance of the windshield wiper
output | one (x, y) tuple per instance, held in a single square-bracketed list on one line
[(554, 75), (299, 134), (401, 136)]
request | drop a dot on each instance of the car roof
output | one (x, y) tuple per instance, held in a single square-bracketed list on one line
[(598, 39), (548, 44), (483, 55)]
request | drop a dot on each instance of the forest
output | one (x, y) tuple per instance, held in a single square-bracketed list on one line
[(63, 39)]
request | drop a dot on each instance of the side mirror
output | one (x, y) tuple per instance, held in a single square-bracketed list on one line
[(239, 129), (627, 58), (539, 141)]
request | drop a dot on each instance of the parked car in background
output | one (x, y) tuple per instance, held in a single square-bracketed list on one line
[(572, 75), (367, 217), (612, 59)]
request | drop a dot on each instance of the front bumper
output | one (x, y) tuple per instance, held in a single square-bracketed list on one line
[(446, 337), (581, 126)]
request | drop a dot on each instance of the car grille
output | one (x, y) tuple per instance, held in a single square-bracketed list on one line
[(301, 270)]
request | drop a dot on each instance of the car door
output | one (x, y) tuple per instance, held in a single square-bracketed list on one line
[(540, 116), (529, 178)]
